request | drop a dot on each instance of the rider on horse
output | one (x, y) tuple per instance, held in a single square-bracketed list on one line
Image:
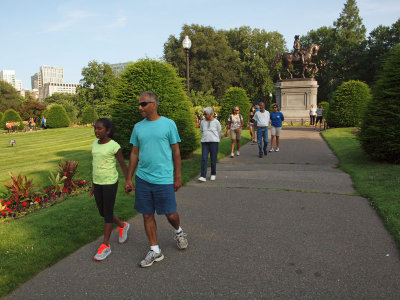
[(297, 49)]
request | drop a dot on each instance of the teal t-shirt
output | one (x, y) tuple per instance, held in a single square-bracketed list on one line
[(104, 162), (154, 140)]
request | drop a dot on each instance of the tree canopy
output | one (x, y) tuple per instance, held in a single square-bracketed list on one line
[(9, 96)]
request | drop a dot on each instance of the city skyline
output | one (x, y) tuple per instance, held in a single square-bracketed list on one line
[(69, 34)]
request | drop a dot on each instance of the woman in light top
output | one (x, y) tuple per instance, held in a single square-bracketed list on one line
[(211, 135)]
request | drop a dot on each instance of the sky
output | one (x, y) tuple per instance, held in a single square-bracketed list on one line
[(71, 33)]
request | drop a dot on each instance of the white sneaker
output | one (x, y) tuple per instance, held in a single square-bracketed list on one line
[(212, 178), (232, 155), (237, 153), (271, 150), (277, 150), (202, 179)]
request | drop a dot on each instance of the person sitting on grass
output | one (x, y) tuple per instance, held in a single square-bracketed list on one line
[(105, 151)]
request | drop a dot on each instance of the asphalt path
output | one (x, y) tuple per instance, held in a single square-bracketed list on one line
[(285, 226)]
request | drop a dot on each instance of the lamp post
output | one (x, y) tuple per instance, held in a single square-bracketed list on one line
[(187, 43), (92, 88)]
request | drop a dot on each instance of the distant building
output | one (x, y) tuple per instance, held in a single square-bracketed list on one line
[(50, 88), (9, 76), (50, 74), (118, 68), (35, 81)]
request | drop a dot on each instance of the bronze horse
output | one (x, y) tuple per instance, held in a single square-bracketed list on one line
[(289, 58)]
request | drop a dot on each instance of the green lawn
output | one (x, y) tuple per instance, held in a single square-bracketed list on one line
[(39, 240), (377, 181), (36, 153)]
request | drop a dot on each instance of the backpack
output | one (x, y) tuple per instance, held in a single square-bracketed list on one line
[(240, 118)]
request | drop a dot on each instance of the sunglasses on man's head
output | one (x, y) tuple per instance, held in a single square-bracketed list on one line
[(144, 103)]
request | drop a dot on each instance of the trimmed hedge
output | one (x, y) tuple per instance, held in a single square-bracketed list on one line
[(160, 78), (56, 116), (380, 127), (87, 115), (348, 104), (11, 115), (234, 96)]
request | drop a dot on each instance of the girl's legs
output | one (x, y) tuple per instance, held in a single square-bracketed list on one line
[(233, 146), (277, 141), (272, 141), (237, 145)]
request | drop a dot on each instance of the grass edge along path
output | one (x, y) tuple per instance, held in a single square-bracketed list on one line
[(41, 239), (379, 182)]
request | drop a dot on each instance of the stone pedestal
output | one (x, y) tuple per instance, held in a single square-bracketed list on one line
[(295, 96)]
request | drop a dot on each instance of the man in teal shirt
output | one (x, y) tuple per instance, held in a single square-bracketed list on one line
[(155, 151)]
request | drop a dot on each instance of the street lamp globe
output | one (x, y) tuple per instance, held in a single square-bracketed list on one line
[(187, 43)]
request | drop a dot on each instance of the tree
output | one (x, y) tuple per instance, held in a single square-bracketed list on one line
[(341, 49), (12, 115), (257, 52), (69, 101), (160, 78), (104, 81), (203, 99), (9, 96), (348, 104), (56, 116), (380, 41), (380, 127), (87, 115), (32, 109), (234, 96), (213, 63)]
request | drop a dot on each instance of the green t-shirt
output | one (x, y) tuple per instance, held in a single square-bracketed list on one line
[(104, 162)]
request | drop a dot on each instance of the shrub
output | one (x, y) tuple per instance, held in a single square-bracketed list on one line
[(1, 117), (234, 96), (87, 115), (32, 109), (20, 190), (380, 127), (12, 115), (348, 104), (160, 78), (68, 169), (56, 116), (325, 106)]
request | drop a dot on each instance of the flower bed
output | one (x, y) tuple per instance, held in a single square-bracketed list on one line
[(25, 197)]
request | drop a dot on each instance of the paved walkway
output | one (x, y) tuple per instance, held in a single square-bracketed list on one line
[(284, 226)]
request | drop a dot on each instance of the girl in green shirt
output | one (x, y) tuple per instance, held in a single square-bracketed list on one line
[(105, 152)]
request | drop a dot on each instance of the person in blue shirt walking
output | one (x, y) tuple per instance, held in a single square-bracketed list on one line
[(276, 118), (155, 151)]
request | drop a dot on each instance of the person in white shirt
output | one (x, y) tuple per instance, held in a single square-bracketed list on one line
[(262, 120), (211, 135), (313, 113)]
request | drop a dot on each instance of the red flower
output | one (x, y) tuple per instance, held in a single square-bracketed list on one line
[(8, 202), (37, 200), (3, 213), (25, 203), (52, 187), (47, 191)]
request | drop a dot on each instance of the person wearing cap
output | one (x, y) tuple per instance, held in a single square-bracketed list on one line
[(276, 125)]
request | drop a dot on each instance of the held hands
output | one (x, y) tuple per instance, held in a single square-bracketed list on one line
[(129, 187)]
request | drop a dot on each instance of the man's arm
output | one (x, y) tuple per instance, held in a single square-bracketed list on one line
[(176, 154), (133, 160)]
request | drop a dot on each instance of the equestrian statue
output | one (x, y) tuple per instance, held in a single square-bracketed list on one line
[(299, 57)]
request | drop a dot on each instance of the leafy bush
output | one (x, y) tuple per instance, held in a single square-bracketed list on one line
[(348, 104), (87, 115), (202, 99), (68, 169), (20, 190), (12, 115), (380, 127), (160, 78), (57, 116), (32, 109), (1, 117), (234, 96)]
